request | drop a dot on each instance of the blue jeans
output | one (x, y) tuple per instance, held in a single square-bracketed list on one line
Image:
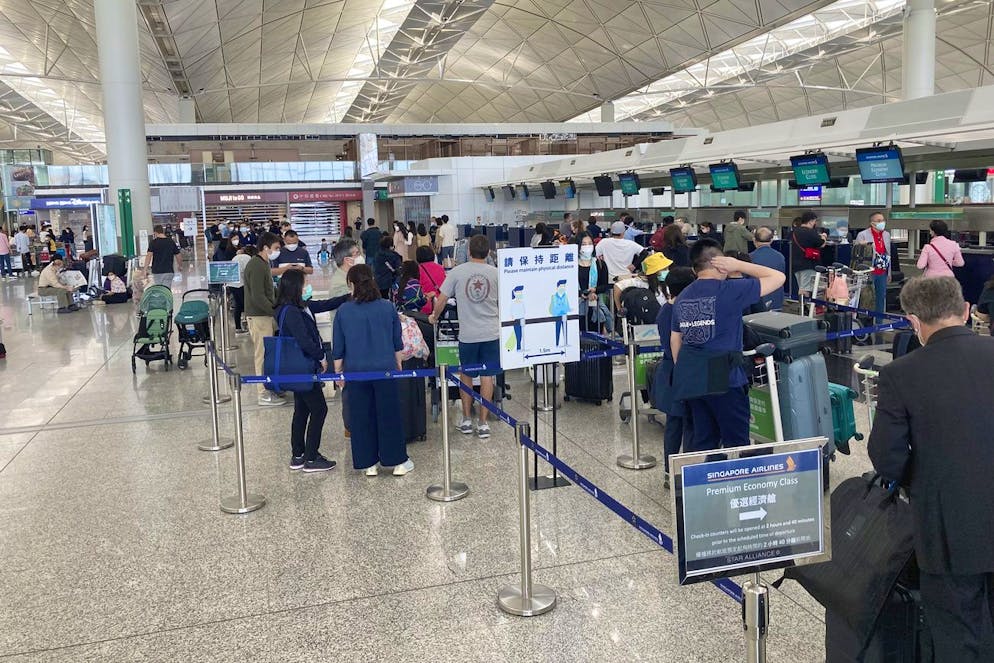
[(5, 269), (679, 432), (880, 291)]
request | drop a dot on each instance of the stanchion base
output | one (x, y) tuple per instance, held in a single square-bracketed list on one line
[(542, 483), (223, 398), (231, 348), (234, 505), (231, 364), (457, 491), (643, 462), (542, 600), (222, 443)]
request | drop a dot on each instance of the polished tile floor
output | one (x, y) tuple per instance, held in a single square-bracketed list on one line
[(113, 548)]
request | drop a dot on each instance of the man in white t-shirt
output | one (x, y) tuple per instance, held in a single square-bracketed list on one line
[(446, 240), (618, 253)]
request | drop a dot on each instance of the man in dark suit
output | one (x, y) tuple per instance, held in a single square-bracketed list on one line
[(934, 434)]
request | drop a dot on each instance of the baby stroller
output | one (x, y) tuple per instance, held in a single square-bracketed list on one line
[(192, 327), (155, 311)]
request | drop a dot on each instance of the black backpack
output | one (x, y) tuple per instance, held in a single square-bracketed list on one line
[(641, 306)]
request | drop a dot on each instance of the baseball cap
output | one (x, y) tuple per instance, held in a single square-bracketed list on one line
[(657, 262), (618, 228)]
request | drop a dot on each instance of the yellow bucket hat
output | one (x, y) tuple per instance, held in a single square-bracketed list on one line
[(657, 262)]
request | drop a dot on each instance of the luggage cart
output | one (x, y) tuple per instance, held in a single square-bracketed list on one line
[(765, 421), (639, 336), (867, 371), (855, 279)]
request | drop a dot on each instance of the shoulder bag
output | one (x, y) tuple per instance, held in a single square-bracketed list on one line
[(284, 357), (809, 253)]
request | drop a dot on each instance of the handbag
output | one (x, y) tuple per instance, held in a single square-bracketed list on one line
[(872, 544), (414, 340), (809, 254), (284, 357)]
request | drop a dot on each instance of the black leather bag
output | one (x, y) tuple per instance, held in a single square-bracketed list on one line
[(872, 544)]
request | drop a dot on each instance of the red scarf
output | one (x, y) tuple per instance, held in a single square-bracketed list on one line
[(879, 247)]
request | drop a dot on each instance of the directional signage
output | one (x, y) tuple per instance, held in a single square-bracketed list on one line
[(538, 305), (750, 509), (223, 272)]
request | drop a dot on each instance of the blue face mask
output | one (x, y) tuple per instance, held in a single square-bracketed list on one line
[(662, 275), (308, 292)]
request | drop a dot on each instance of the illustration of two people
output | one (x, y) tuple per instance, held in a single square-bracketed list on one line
[(559, 308)]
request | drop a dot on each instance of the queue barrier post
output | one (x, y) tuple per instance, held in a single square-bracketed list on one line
[(216, 443), (224, 322), (636, 460), (526, 599), (244, 501), (755, 618), (213, 397), (448, 490)]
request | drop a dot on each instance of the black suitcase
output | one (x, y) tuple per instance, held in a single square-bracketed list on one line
[(413, 406), (900, 635), (839, 321), (592, 380)]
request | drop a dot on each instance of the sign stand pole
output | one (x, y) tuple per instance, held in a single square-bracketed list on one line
[(214, 396), (449, 490), (755, 618), (552, 480), (526, 599), (637, 460)]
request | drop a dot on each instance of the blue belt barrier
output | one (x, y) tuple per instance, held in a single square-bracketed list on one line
[(641, 524), (897, 324), (602, 339), (492, 408)]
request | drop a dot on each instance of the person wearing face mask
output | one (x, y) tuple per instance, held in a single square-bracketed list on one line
[(877, 237), (430, 275), (932, 435), (227, 249), (260, 299), (592, 275), (560, 308), (941, 254), (237, 291), (249, 238), (292, 256)]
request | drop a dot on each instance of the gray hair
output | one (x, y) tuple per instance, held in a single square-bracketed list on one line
[(343, 250), (933, 300), (763, 235)]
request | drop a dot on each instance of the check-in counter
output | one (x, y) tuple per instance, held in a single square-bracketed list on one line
[(978, 268)]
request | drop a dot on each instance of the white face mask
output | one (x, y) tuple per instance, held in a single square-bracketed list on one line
[(359, 260), (291, 247), (273, 255), (234, 242), (586, 252), (880, 225), (245, 230)]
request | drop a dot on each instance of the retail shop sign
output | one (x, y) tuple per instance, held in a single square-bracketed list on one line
[(762, 508), (418, 185), (76, 202), (223, 273), (242, 197), (537, 301), (328, 196)]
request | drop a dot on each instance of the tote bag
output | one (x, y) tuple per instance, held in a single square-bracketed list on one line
[(284, 357)]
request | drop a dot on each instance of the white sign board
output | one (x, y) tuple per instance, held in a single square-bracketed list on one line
[(106, 229), (539, 307), (190, 227)]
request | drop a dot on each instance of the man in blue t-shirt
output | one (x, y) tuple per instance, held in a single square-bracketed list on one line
[(707, 316)]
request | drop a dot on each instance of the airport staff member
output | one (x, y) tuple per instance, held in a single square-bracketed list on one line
[(767, 256), (706, 339), (932, 434)]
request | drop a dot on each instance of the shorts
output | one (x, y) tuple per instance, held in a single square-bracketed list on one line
[(805, 280), (446, 252), (485, 352)]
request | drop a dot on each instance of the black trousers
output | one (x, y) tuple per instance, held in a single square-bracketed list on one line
[(960, 615), (309, 412), (238, 295)]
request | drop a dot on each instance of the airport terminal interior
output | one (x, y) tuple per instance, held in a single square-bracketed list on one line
[(150, 506)]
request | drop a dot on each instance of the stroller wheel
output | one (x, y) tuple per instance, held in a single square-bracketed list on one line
[(181, 363)]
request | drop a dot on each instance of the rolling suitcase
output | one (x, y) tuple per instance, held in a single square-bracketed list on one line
[(412, 404), (793, 336), (589, 380), (839, 321), (899, 635), (843, 416), (805, 407)]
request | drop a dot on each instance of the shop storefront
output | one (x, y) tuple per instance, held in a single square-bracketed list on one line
[(238, 206), (318, 215)]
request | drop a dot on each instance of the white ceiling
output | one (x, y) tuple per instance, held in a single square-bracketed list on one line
[(416, 61)]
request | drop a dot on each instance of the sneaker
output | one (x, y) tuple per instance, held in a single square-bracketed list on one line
[(465, 426), (319, 464), (372, 470), (401, 470), (272, 400), (296, 462), (483, 431)]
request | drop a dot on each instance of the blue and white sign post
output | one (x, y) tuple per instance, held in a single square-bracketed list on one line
[(750, 509)]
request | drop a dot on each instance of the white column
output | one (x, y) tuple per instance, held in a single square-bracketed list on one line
[(918, 67), (607, 111), (124, 113)]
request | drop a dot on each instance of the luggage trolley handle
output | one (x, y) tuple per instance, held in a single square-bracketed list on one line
[(766, 351), (867, 370)]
